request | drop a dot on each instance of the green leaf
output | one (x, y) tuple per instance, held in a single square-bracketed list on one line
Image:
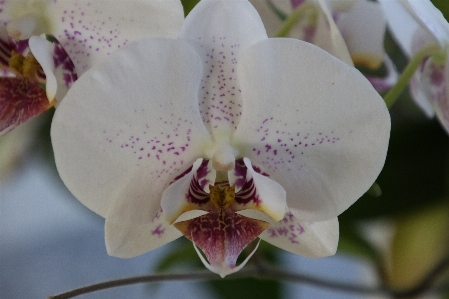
[(442, 5), (188, 5)]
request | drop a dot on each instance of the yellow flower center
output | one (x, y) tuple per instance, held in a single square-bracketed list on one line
[(222, 196), (24, 65)]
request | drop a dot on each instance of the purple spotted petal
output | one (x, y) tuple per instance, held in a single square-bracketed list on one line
[(91, 30), (324, 138), (434, 80), (187, 191), (58, 67), (121, 138), (310, 239), (260, 193), (220, 33), (126, 240)]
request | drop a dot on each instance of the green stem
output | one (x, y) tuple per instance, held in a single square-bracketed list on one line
[(416, 61), (294, 18)]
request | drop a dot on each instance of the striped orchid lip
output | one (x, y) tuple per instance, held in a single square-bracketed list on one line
[(222, 233), (220, 134)]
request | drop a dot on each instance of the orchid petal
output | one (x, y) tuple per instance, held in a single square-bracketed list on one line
[(127, 240), (324, 141), (434, 81), (305, 238), (328, 36), (91, 30), (220, 32), (125, 130), (309, 239), (429, 18), (363, 29), (176, 199), (420, 97), (58, 68), (261, 193), (402, 25)]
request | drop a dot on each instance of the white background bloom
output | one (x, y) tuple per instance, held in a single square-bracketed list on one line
[(416, 24)]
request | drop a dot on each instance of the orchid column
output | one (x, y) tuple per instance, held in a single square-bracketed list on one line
[(221, 135)]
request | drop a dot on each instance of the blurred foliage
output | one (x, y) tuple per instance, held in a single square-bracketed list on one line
[(351, 241), (181, 253), (421, 236)]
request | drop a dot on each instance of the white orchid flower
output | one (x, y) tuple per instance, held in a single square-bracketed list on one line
[(417, 24), (84, 33), (352, 30), (221, 135)]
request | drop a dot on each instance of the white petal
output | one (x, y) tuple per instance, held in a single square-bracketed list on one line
[(268, 197), (434, 82), (328, 36), (270, 20), (309, 239), (128, 127), (402, 24), (220, 32), (429, 17), (363, 29), (316, 125), (90, 30), (175, 199), (43, 51), (129, 240), (420, 97)]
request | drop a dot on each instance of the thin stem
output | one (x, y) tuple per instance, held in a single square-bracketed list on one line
[(416, 61), (200, 275), (294, 18), (264, 271)]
